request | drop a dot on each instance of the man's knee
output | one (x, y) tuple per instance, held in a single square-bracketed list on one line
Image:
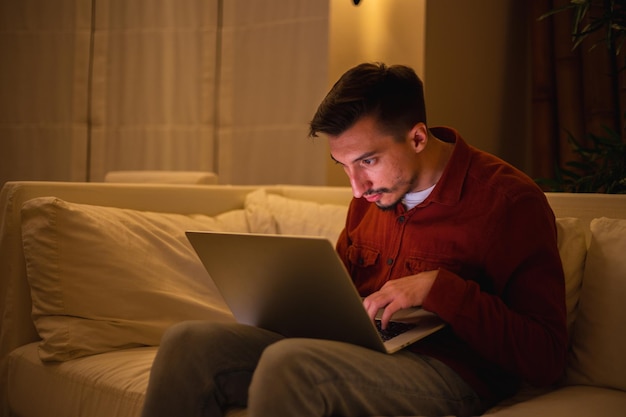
[(199, 341), (290, 362), (191, 332), (288, 377), (185, 345)]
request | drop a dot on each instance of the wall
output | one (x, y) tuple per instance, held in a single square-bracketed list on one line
[(477, 74), (390, 31)]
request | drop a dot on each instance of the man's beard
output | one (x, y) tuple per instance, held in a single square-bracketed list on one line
[(389, 207), (392, 206), (383, 191)]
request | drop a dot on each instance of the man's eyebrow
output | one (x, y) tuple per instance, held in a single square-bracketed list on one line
[(360, 158), (366, 155)]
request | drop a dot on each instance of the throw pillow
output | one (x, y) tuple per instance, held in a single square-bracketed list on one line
[(572, 249), (105, 278), (272, 213), (599, 341)]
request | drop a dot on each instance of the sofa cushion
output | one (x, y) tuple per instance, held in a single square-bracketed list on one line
[(105, 278), (572, 249), (599, 338), (105, 385), (579, 401), (273, 213)]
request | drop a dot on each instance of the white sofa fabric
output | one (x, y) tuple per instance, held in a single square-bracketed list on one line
[(91, 274)]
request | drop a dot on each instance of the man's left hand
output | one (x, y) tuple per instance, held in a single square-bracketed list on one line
[(397, 294)]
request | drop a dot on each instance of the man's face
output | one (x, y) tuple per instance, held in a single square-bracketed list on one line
[(381, 169)]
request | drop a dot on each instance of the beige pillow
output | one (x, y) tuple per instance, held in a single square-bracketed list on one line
[(272, 213), (258, 213), (572, 249), (599, 338), (105, 278)]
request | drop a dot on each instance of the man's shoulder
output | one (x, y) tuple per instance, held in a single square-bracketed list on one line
[(490, 174)]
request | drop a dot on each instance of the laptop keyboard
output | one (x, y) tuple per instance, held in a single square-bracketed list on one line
[(393, 329)]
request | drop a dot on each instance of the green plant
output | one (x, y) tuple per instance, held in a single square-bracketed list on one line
[(591, 16), (601, 167)]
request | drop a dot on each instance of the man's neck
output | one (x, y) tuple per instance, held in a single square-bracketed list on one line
[(435, 158)]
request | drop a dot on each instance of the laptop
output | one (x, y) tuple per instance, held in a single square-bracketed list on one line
[(298, 286)]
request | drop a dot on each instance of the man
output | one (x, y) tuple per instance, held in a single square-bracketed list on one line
[(433, 223)]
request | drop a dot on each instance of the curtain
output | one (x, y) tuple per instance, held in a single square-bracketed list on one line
[(44, 49), (273, 74), (153, 87), (574, 91), (91, 86)]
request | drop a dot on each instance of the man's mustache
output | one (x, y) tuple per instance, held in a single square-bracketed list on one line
[(377, 191)]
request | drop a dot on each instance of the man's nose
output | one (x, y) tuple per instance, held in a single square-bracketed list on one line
[(359, 185)]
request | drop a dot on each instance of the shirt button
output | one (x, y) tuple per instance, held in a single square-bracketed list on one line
[(389, 261), (401, 219), (361, 261)]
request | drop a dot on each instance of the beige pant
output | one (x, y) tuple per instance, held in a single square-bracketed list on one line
[(203, 368)]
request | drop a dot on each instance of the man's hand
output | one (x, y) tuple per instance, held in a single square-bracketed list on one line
[(397, 294)]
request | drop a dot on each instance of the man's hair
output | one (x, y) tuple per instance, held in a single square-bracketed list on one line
[(393, 95)]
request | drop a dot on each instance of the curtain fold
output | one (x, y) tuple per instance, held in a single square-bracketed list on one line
[(574, 91), (44, 89), (153, 85), (91, 86), (273, 74)]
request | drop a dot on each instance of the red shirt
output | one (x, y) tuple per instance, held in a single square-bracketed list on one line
[(491, 233)]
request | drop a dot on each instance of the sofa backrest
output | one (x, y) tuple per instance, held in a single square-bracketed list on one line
[(587, 207), (16, 327)]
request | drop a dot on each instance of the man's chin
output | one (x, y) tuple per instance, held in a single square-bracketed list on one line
[(387, 207), (385, 198)]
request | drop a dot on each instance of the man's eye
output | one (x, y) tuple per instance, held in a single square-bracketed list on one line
[(368, 162)]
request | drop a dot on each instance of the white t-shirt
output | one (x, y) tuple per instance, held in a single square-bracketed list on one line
[(411, 200)]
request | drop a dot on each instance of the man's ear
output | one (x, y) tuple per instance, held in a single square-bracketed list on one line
[(419, 136)]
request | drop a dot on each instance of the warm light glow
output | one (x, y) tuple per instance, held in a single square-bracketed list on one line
[(391, 31)]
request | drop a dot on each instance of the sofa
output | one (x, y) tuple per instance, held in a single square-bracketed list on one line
[(91, 275)]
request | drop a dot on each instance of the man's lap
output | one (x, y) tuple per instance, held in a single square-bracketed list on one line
[(321, 377), (300, 376)]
